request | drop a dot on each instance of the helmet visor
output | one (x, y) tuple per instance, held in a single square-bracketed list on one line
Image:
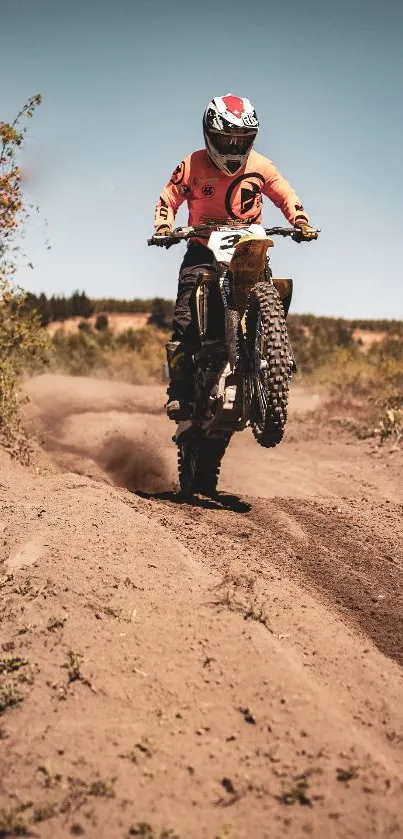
[(238, 141)]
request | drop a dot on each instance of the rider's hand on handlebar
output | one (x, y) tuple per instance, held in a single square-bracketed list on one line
[(162, 230), (306, 234)]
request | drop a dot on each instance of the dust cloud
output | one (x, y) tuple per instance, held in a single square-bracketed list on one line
[(135, 465), (108, 431)]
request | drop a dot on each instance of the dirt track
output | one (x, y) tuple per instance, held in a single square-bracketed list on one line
[(220, 670)]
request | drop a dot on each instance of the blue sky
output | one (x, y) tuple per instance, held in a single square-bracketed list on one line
[(125, 84)]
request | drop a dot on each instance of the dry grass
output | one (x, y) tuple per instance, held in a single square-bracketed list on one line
[(238, 594), (9, 696), (12, 823), (134, 356), (23, 344), (365, 389)]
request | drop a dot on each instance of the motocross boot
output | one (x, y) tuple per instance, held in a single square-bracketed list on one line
[(180, 389)]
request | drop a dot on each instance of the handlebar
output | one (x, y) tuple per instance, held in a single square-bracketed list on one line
[(181, 234)]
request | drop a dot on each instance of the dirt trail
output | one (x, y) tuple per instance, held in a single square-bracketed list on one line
[(228, 669)]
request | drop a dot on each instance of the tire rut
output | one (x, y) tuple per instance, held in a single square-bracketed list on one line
[(350, 554)]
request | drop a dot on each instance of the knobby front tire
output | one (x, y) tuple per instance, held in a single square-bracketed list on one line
[(271, 363)]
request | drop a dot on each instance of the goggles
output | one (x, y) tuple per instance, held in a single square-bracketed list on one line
[(237, 142)]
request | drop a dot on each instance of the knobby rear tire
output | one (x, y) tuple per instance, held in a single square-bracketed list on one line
[(272, 364), (199, 462)]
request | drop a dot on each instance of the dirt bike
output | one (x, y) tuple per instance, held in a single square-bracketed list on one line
[(244, 362)]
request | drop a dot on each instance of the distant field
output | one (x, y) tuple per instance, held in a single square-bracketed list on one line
[(117, 322), (368, 337), (121, 321)]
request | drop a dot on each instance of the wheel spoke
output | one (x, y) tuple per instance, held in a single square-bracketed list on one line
[(259, 380), (263, 397)]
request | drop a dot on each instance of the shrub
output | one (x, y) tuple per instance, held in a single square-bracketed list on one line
[(390, 425), (22, 341), (77, 353), (161, 313), (101, 323), (131, 356), (84, 326)]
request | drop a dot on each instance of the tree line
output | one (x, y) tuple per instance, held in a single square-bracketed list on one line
[(392, 327), (60, 307)]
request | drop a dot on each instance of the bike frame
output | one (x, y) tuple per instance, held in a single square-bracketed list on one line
[(241, 261)]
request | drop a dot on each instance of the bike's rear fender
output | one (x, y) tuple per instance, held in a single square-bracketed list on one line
[(285, 288)]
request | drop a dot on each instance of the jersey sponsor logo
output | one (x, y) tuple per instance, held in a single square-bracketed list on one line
[(162, 209), (179, 174), (228, 222), (208, 190), (248, 196), (162, 212), (243, 199), (183, 189)]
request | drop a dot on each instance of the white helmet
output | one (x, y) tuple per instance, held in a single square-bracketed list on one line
[(230, 126)]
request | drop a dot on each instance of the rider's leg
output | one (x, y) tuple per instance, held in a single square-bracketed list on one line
[(180, 367), (184, 340)]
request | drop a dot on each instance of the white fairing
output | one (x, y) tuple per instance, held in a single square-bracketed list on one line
[(222, 242)]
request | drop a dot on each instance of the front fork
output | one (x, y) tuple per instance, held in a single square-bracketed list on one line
[(232, 319)]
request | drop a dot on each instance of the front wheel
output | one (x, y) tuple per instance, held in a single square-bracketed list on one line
[(271, 363)]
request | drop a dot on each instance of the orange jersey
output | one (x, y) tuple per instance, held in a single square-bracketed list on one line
[(213, 197)]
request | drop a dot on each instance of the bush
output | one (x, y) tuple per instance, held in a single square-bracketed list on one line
[(77, 353), (101, 323), (23, 345), (390, 425), (161, 313), (84, 326), (131, 356), (22, 341), (314, 339), (365, 388)]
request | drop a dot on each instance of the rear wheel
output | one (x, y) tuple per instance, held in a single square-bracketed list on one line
[(199, 461), (272, 363)]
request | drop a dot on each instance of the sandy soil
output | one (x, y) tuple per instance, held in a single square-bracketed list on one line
[(229, 669)]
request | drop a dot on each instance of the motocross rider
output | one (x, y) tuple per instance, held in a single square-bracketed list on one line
[(222, 183)]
